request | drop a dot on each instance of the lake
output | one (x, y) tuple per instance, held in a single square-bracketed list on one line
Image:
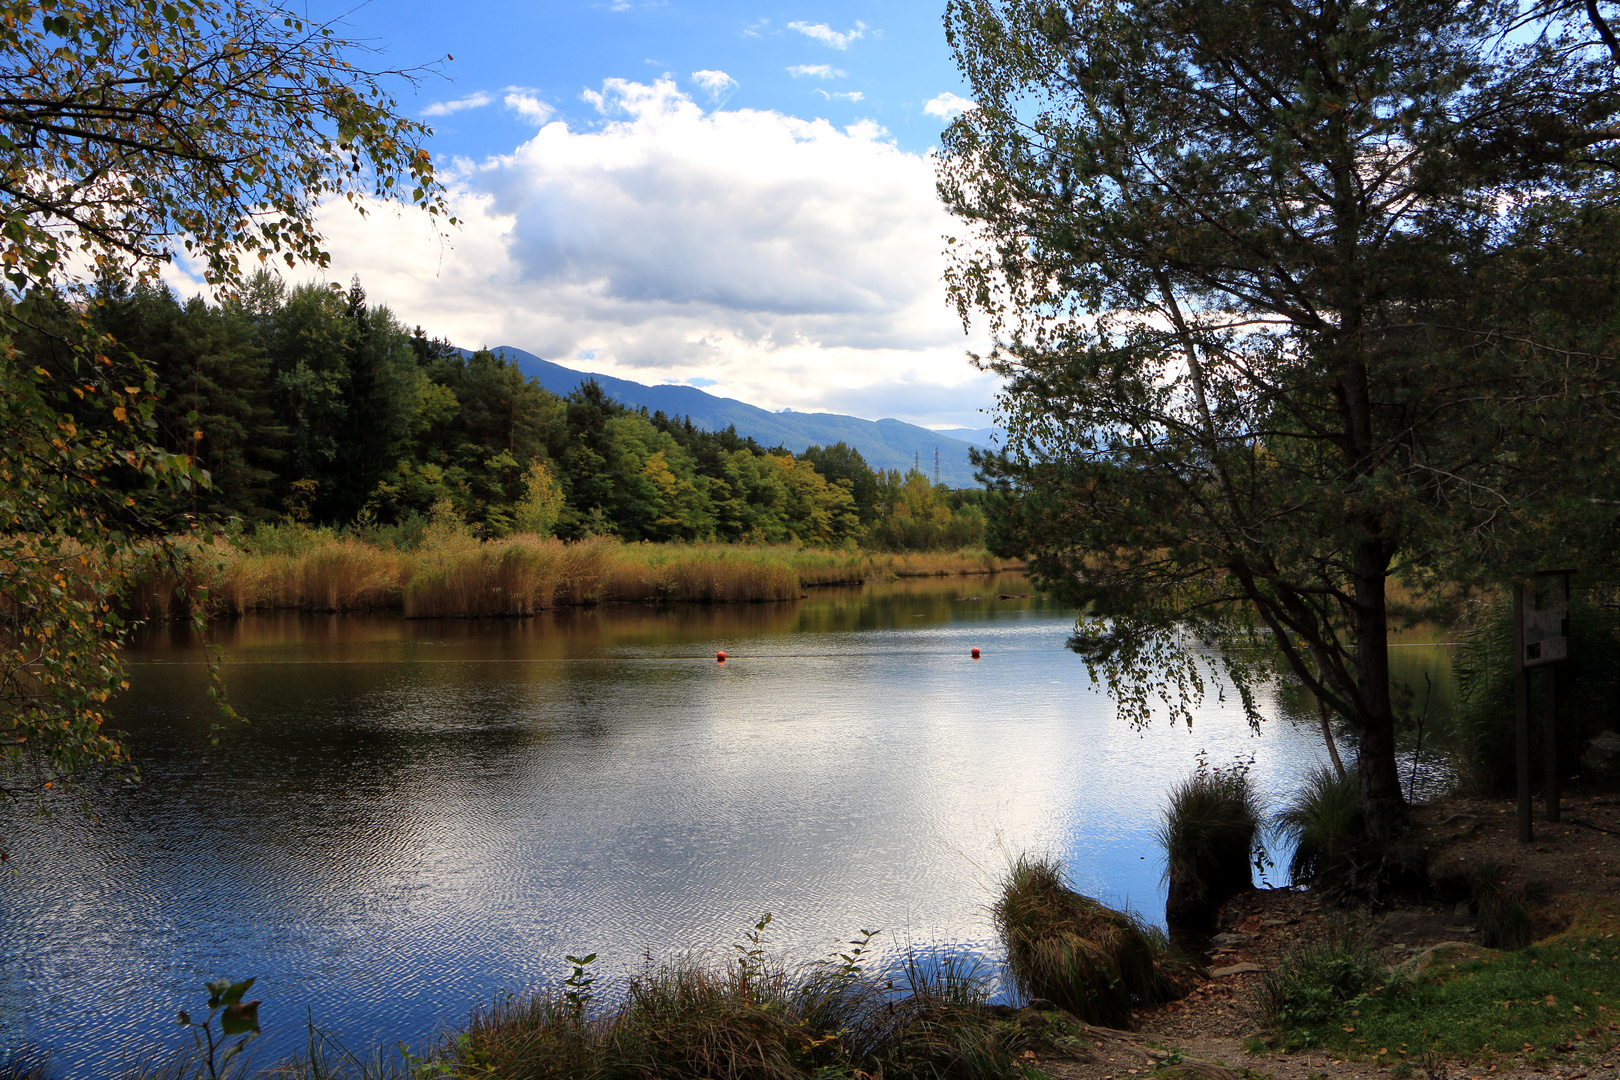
[(423, 815)]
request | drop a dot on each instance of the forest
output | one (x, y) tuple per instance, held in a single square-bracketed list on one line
[(311, 405)]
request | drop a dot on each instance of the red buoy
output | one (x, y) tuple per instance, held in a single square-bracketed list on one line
[(720, 657), (975, 654)]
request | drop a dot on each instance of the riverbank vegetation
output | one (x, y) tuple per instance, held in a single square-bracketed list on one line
[(444, 570)]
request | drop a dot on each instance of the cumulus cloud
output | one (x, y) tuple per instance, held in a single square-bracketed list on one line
[(795, 263), (445, 108), (948, 106), (717, 84), (817, 71), (527, 105), (827, 35), (847, 95)]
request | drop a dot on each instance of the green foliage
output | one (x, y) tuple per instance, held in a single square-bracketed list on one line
[(264, 117), (1319, 984), (1096, 962), (1557, 995), (1271, 288), (236, 1017), (1210, 832), (1324, 821)]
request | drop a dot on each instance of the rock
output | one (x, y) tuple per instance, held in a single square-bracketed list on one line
[(1602, 756), (1236, 969), (1231, 940)]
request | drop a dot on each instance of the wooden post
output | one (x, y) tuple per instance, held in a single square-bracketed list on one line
[(1521, 719), (1549, 735)]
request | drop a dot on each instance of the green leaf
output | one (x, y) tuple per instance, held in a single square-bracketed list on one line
[(240, 1018)]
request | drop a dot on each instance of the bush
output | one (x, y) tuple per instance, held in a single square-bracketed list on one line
[(1316, 985), (1209, 833), (1088, 958), (1324, 822)]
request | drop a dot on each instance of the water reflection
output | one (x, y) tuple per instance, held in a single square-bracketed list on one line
[(423, 814)]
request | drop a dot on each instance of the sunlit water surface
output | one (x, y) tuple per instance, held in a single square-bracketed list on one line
[(424, 815)]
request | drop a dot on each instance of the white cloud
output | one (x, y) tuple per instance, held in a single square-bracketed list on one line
[(819, 71), (847, 95), (794, 263), (445, 108), (827, 35), (948, 106), (717, 84), (528, 106)]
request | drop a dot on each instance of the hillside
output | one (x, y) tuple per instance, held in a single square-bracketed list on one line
[(885, 444)]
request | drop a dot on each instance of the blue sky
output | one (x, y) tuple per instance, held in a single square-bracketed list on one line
[(892, 55), (738, 196)]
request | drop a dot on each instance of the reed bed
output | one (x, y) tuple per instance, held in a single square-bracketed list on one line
[(520, 575), (451, 573), (700, 574)]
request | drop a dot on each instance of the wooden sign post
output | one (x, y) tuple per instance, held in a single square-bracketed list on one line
[(1540, 639)]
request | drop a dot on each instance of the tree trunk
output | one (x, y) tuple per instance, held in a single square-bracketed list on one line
[(1380, 780)]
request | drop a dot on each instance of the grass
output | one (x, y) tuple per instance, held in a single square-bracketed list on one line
[(1324, 822), (1562, 996), (1096, 962), (450, 573), (749, 1019), (1208, 833)]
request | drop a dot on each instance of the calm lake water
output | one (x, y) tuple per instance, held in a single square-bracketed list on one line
[(424, 815)]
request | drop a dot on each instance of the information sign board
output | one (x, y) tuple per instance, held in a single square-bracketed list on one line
[(1546, 620)]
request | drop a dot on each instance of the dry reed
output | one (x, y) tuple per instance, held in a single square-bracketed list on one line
[(454, 574)]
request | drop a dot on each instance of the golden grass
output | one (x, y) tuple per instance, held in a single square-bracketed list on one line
[(453, 574), (520, 575)]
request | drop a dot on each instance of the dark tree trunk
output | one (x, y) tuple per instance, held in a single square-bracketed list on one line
[(1375, 717)]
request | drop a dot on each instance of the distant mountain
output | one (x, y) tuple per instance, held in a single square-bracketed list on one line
[(885, 444)]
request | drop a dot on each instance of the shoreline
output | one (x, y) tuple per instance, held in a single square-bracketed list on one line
[(460, 576)]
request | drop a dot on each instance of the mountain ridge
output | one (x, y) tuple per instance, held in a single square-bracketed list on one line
[(885, 444)]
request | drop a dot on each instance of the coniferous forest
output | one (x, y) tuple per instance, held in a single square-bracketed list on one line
[(308, 404)]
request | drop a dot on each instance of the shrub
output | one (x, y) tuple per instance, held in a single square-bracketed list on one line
[(1324, 822), (1209, 833), (1317, 984), (1088, 958)]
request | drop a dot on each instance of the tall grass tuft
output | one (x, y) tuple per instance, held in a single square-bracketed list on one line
[(1209, 831), (1503, 910), (1092, 960), (1324, 821)]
